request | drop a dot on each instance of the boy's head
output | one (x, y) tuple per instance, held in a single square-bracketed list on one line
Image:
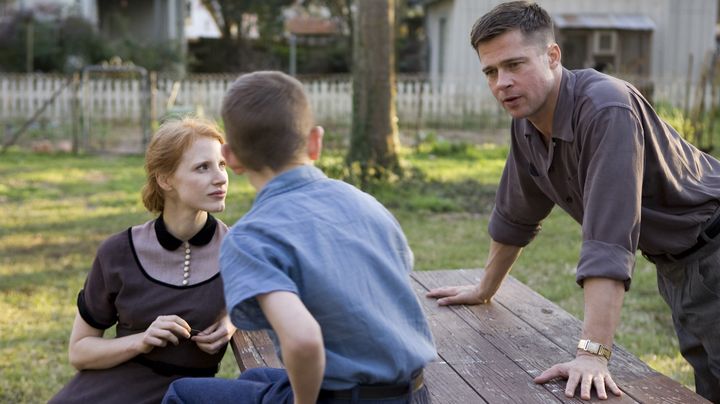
[(267, 118)]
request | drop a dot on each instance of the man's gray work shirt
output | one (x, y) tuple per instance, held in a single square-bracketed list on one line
[(626, 176)]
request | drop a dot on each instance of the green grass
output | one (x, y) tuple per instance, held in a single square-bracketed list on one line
[(58, 208)]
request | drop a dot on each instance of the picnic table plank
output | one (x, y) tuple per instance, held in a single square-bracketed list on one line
[(487, 369), (446, 386), (632, 375), (254, 349), (529, 351)]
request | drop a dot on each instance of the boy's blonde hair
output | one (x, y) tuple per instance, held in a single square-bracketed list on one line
[(165, 151), (267, 119)]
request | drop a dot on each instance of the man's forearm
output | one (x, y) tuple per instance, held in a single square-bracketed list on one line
[(603, 304), (500, 260)]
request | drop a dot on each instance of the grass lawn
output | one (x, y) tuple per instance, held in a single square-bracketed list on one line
[(58, 208)]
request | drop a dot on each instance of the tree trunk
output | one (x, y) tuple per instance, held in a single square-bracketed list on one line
[(374, 137)]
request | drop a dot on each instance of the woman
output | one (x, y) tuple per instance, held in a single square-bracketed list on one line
[(157, 282)]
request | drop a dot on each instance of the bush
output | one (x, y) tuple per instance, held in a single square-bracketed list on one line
[(66, 45)]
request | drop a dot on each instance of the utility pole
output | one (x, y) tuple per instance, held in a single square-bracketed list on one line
[(29, 42)]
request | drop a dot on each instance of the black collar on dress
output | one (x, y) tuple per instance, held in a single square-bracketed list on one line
[(171, 243)]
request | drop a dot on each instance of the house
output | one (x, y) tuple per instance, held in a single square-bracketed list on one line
[(199, 23), (50, 9), (144, 20), (663, 42)]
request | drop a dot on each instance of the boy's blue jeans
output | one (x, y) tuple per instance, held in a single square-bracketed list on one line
[(258, 386)]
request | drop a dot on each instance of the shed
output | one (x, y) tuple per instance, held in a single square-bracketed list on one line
[(662, 41)]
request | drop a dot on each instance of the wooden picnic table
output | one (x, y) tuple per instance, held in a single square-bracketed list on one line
[(491, 353)]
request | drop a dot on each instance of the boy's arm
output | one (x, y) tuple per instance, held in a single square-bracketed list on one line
[(301, 342)]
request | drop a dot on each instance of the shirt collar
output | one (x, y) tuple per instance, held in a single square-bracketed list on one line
[(171, 243), (564, 109), (289, 180)]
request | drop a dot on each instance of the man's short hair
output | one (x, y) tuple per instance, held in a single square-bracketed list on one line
[(267, 119), (527, 16)]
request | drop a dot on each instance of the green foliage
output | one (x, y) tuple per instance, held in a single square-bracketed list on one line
[(81, 44), (236, 50), (431, 145), (676, 118), (49, 53), (698, 128), (165, 56), (67, 45)]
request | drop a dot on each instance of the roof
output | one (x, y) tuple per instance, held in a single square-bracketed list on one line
[(629, 22), (311, 26)]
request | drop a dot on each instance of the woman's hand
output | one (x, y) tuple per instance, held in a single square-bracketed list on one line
[(214, 338), (163, 330)]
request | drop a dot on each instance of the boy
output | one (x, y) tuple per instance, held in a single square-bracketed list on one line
[(320, 263)]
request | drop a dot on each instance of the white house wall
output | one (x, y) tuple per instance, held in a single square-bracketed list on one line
[(683, 28)]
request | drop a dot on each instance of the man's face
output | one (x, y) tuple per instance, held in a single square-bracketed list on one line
[(519, 73)]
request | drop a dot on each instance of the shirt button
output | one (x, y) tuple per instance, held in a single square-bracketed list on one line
[(568, 199)]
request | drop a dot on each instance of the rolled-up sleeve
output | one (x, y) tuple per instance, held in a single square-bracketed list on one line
[(250, 267), (611, 169)]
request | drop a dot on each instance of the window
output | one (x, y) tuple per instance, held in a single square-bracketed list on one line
[(604, 42)]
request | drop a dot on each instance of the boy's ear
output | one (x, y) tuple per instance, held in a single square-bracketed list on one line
[(314, 145), (231, 159)]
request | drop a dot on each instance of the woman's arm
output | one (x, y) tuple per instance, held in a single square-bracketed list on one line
[(89, 350)]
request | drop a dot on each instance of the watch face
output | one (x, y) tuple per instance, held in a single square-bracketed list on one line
[(593, 347)]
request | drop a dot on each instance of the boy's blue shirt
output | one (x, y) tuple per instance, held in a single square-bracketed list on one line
[(347, 259)]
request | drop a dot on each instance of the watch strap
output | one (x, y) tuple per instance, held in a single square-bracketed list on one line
[(594, 348)]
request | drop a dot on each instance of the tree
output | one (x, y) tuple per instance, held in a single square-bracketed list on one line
[(343, 11), (237, 18), (374, 134)]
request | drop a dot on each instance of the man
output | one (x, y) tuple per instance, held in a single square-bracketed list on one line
[(594, 146)]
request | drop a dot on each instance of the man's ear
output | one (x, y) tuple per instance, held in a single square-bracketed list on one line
[(314, 144), (231, 159), (554, 54)]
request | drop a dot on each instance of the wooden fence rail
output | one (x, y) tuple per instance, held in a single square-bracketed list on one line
[(116, 99), (121, 99)]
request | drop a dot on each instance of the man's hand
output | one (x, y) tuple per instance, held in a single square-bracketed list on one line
[(500, 260), (467, 294), (587, 370)]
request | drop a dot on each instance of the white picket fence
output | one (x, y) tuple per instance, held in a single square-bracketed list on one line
[(418, 101), (122, 99)]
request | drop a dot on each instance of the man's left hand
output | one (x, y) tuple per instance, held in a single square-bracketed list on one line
[(586, 370)]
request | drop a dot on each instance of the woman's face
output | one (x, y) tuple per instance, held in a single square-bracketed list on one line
[(200, 180)]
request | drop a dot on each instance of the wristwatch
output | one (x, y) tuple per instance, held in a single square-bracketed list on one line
[(594, 348)]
